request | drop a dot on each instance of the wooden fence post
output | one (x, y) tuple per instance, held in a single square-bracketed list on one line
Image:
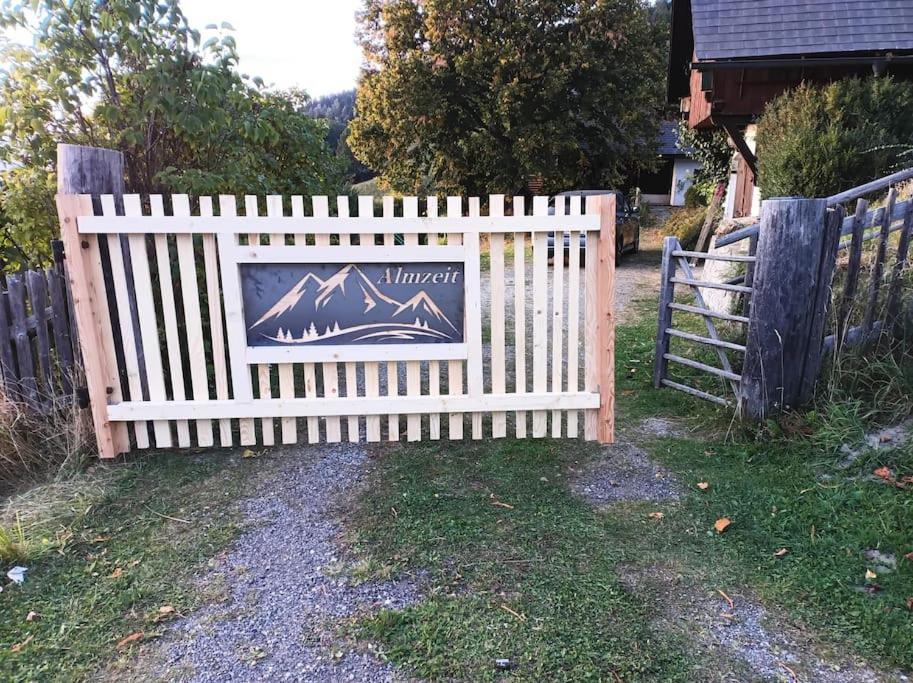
[(791, 290), (604, 205), (664, 319), (83, 173)]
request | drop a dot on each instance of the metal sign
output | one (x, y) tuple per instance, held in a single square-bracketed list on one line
[(327, 304)]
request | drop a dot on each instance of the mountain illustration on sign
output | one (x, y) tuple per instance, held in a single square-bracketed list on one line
[(383, 318)]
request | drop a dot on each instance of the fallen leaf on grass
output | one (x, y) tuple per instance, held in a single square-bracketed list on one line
[(32, 616), (117, 573), (781, 552), (248, 453), (703, 485), (132, 638), (18, 646), (884, 473), (166, 609), (722, 524), (656, 515), (909, 556), (910, 604), (870, 575)]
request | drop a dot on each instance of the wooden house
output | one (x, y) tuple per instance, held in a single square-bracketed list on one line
[(730, 57)]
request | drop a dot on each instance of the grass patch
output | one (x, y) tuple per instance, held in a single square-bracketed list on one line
[(102, 558), (557, 563), (521, 569)]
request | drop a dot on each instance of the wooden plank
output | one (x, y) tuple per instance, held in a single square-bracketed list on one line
[(711, 285), (851, 281), (28, 383), (7, 361), (323, 253), (127, 328), (289, 425), (703, 367), (216, 325), (314, 407), (496, 271), (264, 380), (145, 308), (709, 341), (900, 267), (573, 318), (712, 256), (878, 267), (91, 313), (329, 371), (434, 367), (604, 206), (308, 370), (357, 352), (696, 392), (392, 367), (664, 317), (313, 226), (351, 368), (371, 368), (234, 321), (413, 368), (519, 209), (540, 316), (731, 317), (558, 311), (455, 368), (169, 316), (60, 325), (37, 289), (591, 356), (193, 319), (475, 384)]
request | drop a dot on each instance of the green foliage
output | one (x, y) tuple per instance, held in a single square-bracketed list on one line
[(28, 216), (133, 76), (338, 110), (471, 96), (815, 141), (685, 224), (711, 148)]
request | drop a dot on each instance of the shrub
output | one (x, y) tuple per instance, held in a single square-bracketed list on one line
[(686, 225), (815, 141)]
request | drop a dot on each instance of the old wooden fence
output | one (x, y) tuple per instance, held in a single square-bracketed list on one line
[(38, 352), (169, 359), (800, 301)]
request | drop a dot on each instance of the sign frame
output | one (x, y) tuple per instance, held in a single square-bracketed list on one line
[(233, 256)]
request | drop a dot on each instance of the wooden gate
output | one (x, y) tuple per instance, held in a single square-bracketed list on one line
[(164, 293)]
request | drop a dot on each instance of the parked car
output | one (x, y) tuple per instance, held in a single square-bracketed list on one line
[(627, 226)]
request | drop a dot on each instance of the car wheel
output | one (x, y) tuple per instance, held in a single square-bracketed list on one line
[(619, 245)]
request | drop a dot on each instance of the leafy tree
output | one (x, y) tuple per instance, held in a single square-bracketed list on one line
[(711, 148), (472, 96), (338, 110), (815, 141), (133, 76)]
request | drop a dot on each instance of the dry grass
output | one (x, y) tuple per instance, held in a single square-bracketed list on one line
[(37, 443)]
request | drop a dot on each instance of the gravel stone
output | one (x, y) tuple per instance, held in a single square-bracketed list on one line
[(285, 593), (624, 472)]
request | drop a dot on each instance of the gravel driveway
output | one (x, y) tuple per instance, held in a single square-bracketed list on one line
[(286, 591)]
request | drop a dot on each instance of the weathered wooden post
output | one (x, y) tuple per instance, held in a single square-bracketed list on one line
[(791, 290), (664, 319), (81, 173)]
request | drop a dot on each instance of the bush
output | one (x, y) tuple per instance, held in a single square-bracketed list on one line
[(686, 225), (815, 141)]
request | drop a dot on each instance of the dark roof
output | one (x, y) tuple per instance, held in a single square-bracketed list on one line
[(730, 29), (667, 141)]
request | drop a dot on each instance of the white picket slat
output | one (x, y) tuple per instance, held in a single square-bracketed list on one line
[(540, 317), (455, 367), (573, 318), (264, 383), (558, 312), (520, 316), (371, 368), (496, 270)]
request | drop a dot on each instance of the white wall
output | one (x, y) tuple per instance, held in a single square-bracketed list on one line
[(751, 132), (682, 179)]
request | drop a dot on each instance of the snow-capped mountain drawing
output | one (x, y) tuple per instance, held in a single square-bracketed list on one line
[(363, 313)]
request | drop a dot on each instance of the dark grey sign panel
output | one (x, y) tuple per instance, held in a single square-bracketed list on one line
[(357, 303)]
